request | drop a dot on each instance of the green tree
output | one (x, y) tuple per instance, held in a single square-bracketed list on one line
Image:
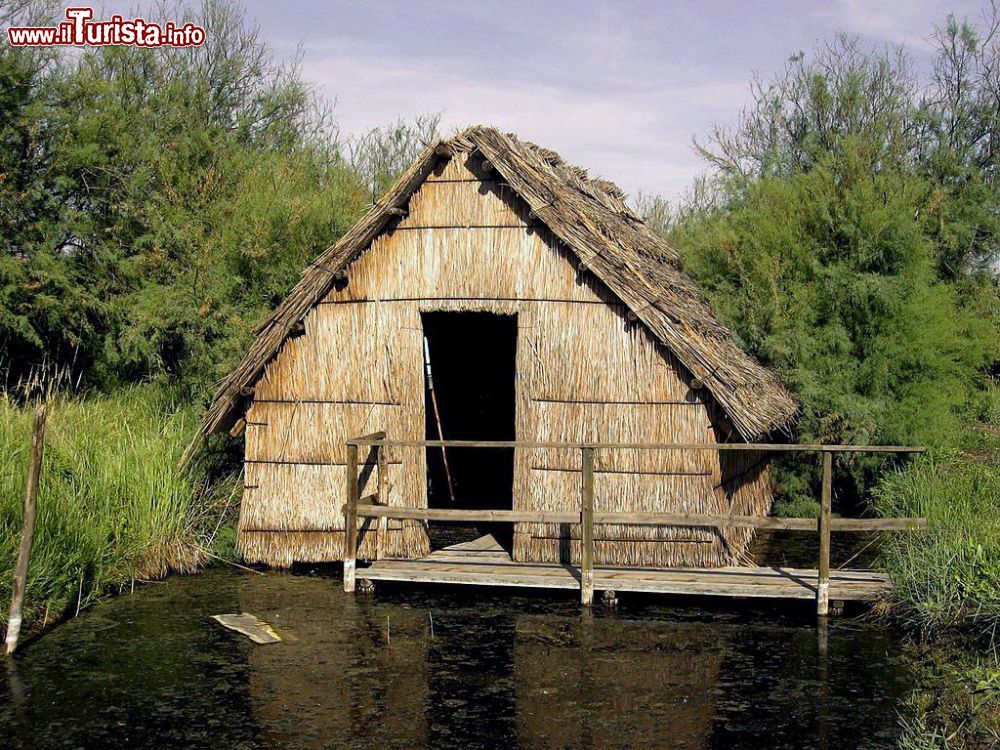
[(45, 308), (848, 243), (160, 202)]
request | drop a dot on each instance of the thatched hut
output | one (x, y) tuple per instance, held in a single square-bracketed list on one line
[(550, 312)]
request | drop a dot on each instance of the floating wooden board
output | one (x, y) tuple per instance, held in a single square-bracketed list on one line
[(249, 625), (484, 563)]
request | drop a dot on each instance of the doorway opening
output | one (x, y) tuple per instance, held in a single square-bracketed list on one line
[(469, 384)]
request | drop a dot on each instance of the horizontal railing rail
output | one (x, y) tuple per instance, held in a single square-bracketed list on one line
[(717, 520), (374, 506), (369, 440)]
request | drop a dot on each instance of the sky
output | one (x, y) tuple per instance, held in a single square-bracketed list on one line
[(619, 88)]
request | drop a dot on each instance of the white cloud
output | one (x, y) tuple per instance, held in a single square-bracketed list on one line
[(638, 137), (908, 23)]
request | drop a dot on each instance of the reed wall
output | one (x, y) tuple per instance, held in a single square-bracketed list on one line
[(584, 373)]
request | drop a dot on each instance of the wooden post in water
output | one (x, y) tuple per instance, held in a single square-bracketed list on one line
[(24, 553), (587, 528), (351, 518), (823, 583)]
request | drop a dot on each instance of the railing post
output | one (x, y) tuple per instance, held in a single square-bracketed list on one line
[(351, 518), (823, 583), (383, 499), (587, 528)]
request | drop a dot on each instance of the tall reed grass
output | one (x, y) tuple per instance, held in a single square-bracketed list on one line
[(949, 576), (114, 504)]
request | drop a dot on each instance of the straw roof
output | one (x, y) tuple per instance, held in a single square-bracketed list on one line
[(588, 216)]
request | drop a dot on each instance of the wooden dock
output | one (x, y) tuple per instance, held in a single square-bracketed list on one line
[(483, 562)]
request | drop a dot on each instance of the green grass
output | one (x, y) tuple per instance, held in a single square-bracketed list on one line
[(956, 703), (114, 506), (949, 576)]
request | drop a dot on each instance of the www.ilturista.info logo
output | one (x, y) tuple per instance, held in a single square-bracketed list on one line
[(79, 30)]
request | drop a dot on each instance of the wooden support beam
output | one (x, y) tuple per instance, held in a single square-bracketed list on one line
[(454, 514), (27, 531), (721, 520), (383, 498), (878, 524), (374, 437), (587, 528), (351, 519), (823, 584)]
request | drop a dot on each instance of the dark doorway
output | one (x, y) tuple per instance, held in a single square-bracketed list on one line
[(472, 369)]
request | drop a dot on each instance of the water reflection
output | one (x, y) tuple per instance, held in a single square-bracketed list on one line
[(445, 668)]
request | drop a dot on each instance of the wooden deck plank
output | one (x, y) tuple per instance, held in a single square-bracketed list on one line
[(483, 562), (484, 549)]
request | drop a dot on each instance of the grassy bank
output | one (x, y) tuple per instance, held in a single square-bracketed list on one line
[(946, 588), (113, 508), (948, 577)]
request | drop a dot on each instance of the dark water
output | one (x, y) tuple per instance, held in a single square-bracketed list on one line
[(500, 670)]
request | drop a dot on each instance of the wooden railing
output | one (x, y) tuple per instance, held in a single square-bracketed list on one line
[(365, 507)]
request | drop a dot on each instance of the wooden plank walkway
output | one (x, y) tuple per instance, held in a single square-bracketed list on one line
[(483, 562)]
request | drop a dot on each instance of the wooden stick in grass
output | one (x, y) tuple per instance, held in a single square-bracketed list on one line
[(30, 498)]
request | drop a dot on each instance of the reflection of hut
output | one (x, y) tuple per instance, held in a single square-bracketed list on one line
[(616, 683), (553, 314), (488, 676), (339, 673)]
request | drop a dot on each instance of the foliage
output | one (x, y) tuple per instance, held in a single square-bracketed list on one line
[(797, 506), (155, 205), (844, 90), (828, 276), (380, 155), (849, 245)]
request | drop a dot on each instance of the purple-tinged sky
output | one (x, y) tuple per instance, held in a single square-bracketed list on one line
[(619, 88)]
